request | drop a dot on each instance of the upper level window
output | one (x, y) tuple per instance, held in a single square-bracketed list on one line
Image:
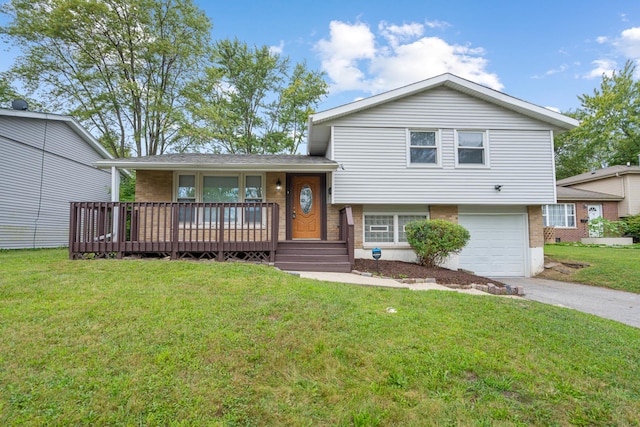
[(559, 215), (471, 148), (423, 147)]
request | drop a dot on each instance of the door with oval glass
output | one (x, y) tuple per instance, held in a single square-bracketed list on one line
[(306, 207)]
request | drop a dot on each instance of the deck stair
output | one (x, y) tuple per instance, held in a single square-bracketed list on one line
[(313, 255)]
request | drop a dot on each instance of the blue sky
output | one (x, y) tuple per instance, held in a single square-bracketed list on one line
[(545, 52)]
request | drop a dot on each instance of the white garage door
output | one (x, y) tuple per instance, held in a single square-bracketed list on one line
[(497, 245)]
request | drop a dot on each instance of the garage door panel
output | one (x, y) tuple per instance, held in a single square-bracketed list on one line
[(496, 246)]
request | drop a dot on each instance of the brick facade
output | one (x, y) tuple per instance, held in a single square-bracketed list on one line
[(446, 212), (154, 186), (609, 211), (279, 197), (333, 220), (536, 229)]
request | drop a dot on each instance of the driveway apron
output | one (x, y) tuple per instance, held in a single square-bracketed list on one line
[(620, 306)]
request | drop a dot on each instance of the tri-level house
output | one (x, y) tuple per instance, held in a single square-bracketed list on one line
[(440, 148)]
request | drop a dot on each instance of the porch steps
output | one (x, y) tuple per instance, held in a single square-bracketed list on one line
[(313, 255)]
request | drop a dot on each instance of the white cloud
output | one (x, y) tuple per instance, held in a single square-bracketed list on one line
[(277, 49), (356, 59), (561, 69), (397, 34), (437, 24), (602, 39), (602, 66), (348, 44), (629, 43)]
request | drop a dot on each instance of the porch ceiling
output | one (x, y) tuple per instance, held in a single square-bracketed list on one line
[(224, 162)]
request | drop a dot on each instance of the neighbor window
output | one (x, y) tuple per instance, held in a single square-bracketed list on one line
[(387, 228), (471, 148), (561, 215), (423, 147)]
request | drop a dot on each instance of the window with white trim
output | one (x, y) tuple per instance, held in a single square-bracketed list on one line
[(471, 148), (423, 147), (561, 215), (388, 228)]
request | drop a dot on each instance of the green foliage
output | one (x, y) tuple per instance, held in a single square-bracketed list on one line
[(251, 102), (152, 342), (434, 240), (633, 226), (119, 66), (609, 131), (601, 227), (128, 188)]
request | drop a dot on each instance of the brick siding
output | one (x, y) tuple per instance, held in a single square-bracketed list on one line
[(154, 186), (446, 212), (536, 229), (609, 211)]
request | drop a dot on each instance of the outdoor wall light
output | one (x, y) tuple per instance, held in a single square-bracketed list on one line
[(498, 187), (278, 185)]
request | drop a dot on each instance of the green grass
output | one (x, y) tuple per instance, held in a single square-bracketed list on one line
[(140, 342), (610, 267)]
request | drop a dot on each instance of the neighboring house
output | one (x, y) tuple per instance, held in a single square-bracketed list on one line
[(47, 162), (440, 148), (610, 193)]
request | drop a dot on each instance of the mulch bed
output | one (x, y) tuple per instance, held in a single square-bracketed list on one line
[(407, 270)]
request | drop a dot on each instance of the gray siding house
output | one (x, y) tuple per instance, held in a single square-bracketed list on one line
[(47, 162)]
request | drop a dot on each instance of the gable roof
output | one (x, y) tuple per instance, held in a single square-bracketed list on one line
[(599, 174), (568, 193), (318, 135), (225, 162), (70, 121)]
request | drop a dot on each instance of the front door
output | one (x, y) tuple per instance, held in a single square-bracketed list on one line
[(306, 207), (594, 212)]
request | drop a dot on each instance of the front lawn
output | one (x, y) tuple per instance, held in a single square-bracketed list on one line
[(610, 267), (152, 342)]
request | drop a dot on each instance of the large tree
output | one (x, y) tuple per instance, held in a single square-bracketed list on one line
[(119, 66), (609, 131), (252, 101)]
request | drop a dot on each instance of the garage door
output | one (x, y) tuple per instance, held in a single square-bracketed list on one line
[(497, 245)]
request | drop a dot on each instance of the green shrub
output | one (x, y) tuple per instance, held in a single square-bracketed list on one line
[(633, 226), (434, 240), (600, 227)]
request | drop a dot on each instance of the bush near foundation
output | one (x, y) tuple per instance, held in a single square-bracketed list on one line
[(633, 226), (434, 240)]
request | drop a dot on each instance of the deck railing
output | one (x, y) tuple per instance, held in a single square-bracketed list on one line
[(212, 230), (347, 233)]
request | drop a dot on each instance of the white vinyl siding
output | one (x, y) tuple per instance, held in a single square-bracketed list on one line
[(376, 172), (561, 215), (440, 108)]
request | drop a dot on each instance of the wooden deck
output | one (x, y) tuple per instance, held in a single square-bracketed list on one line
[(220, 231)]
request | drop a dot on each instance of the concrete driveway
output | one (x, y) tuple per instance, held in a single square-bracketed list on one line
[(621, 306)]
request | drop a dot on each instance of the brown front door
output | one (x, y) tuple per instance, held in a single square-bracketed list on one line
[(306, 207)]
